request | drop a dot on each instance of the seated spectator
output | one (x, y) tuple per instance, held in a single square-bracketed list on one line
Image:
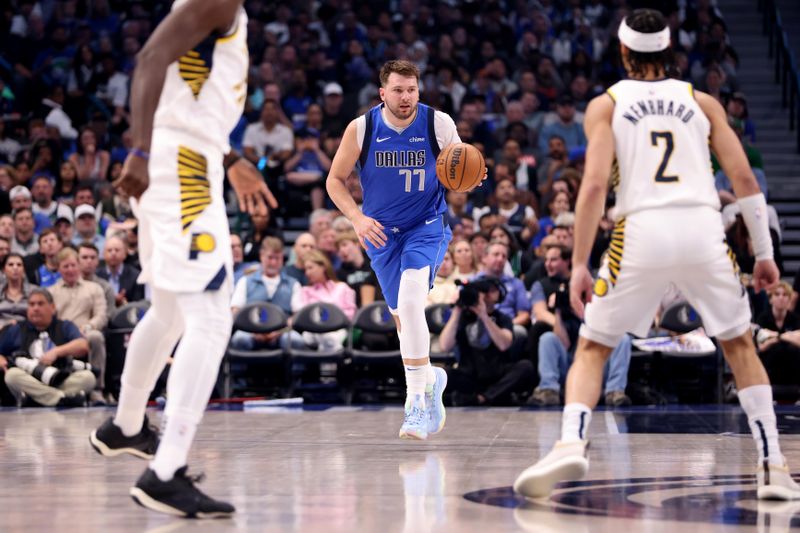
[(556, 350), (465, 267), (86, 227), (304, 243), (66, 184), (88, 261), (324, 287), (520, 218), (42, 191), (42, 345), (487, 373), (5, 249), (268, 139), (515, 304), (25, 241), (265, 285), (326, 243), (445, 290), (122, 277), (14, 291), (356, 270), (84, 304), (565, 126), (254, 228), (561, 203), (7, 227), (538, 269), (90, 160), (41, 268), (553, 165), (84, 195), (20, 197), (308, 166), (779, 337), (518, 263), (240, 266)]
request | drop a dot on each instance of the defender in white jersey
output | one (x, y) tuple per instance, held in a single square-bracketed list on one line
[(652, 136), (187, 94)]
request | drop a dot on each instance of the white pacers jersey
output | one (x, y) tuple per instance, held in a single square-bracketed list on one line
[(205, 90), (661, 138), (184, 236)]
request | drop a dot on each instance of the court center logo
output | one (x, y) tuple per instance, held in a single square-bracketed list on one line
[(699, 499)]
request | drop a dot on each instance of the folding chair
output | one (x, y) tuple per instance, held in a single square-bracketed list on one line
[(366, 363), (260, 317), (318, 317), (118, 335)]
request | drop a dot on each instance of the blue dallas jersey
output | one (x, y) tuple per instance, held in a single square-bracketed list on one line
[(398, 171)]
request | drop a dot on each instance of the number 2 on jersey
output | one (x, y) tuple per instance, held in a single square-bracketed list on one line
[(416, 172), (669, 147)]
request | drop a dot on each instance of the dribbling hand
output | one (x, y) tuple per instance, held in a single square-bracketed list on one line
[(580, 289), (369, 229), (133, 179), (765, 275), (252, 192)]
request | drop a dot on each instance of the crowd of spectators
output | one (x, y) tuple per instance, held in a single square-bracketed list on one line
[(515, 76)]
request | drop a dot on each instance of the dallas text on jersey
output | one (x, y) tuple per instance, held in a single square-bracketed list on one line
[(400, 158), (644, 108)]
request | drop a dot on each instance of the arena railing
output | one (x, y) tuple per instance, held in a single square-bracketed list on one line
[(786, 72)]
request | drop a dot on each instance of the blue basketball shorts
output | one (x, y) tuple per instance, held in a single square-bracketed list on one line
[(417, 247)]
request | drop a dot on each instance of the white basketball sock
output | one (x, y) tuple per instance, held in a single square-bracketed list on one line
[(176, 441), (416, 380), (756, 402), (192, 376), (575, 422), (151, 345)]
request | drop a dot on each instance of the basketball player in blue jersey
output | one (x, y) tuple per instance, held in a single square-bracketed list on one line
[(654, 135), (402, 227), (187, 94)]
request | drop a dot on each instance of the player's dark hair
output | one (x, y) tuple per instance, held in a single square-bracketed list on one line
[(399, 66), (650, 21)]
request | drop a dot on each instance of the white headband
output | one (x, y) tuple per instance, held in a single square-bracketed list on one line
[(643, 42)]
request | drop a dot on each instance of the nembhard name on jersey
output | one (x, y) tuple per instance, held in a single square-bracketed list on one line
[(658, 107), (400, 158)]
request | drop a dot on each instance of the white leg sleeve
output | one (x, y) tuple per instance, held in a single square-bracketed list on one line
[(414, 335)]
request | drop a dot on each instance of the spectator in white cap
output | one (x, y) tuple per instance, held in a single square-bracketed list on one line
[(42, 188), (334, 120), (65, 228), (20, 197), (86, 227)]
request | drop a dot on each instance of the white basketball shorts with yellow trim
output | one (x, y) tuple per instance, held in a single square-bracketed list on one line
[(651, 249), (184, 236)]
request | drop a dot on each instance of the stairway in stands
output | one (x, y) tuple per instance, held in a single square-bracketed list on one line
[(776, 142)]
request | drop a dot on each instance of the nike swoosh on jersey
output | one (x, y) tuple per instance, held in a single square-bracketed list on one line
[(431, 221), (379, 140)]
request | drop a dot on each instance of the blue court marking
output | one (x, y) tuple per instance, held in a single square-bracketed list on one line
[(711, 499)]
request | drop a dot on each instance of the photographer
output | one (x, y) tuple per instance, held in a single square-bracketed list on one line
[(487, 373), (557, 349), (41, 349)]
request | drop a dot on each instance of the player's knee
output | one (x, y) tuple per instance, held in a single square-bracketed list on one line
[(413, 291)]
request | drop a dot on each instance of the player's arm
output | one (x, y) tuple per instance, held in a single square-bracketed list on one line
[(751, 200), (592, 195), (343, 163), (181, 30)]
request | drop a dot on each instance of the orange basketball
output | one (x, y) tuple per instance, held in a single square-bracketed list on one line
[(460, 167)]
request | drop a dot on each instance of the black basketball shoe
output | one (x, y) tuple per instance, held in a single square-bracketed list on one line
[(178, 496), (109, 440)]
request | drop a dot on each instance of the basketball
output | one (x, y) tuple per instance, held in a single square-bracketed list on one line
[(460, 167)]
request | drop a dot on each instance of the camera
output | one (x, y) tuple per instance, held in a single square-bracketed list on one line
[(49, 375), (468, 296)]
